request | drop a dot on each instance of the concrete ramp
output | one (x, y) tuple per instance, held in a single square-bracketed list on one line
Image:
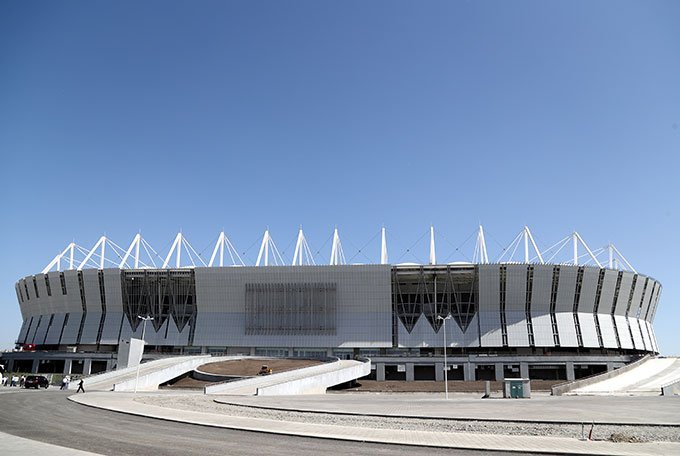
[(151, 374), (309, 380), (647, 378)]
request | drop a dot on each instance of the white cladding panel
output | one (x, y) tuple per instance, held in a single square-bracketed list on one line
[(24, 329), (588, 330), (637, 336), (489, 306), (607, 331), (54, 331), (586, 301), (623, 331), (566, 290), (38, 331), (566, 329), (515, 305), (540, 306), (93, 300), (652, 299), (91, 328), (650, 328), (624, 293), (363, 306), (543, 331), (646, 299), (111, 327), (41, 329), (70, 333), (637, 297), (645, 334), (607, 294)]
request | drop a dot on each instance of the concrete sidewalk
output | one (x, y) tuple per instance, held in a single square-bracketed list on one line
[(11, 444), (125, 403), (664, 411)]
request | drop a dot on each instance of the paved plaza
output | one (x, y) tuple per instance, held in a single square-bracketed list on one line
[(206, 412)]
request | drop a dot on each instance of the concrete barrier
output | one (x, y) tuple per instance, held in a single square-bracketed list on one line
[(149, 380), (251, 386), (318, 384), (106, 380), (671, 389), (563, 388)]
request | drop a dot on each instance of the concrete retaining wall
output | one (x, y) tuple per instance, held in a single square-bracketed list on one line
[(317, 384), (671, 389), (149, 381), (563, 388)]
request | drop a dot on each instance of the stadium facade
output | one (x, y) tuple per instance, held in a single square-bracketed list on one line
[(530, 318)]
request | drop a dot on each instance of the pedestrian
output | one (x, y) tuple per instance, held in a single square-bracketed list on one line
[(21, 381), (4, 380), (15, 380), (68, 381), (63, 383), (80, 386)]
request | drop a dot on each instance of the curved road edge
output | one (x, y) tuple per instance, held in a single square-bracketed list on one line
[(125, 403)]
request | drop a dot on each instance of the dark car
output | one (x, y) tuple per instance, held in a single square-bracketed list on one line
[(36, 381)]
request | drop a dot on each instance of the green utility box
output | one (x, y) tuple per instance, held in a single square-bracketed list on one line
[(516, 388)]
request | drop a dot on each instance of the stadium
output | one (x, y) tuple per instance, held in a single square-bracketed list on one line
[(533, 317)]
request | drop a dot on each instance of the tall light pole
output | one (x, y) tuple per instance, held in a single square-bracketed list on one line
[(145, 319), (446, 367)]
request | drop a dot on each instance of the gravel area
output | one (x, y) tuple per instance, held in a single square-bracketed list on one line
[(619, 433)]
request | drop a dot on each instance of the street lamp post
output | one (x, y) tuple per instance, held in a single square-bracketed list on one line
[(446, 367), (145, 319)]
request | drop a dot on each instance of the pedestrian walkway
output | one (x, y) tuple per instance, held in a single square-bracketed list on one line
[(125, 403), (11, 444), (645, 379), (540, 408)]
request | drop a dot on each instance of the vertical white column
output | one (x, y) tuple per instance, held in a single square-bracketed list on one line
[(383, 247), (433, 256)]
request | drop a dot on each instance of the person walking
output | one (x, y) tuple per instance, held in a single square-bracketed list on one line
[(63, 383), (80, 386), (21, 381)]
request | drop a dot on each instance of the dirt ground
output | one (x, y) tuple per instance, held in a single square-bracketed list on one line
[(241, 368), (250, 367)]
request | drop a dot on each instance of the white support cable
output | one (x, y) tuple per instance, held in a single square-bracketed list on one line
[(189, 249), (559, 245), (510, 246)]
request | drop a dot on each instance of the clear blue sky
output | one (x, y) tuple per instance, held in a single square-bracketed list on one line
[(160, 116)]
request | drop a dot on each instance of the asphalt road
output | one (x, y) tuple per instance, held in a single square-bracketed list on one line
[(48, 416)]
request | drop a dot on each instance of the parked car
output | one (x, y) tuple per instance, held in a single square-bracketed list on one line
[(36, 381)]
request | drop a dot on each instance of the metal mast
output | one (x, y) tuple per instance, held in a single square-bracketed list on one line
[(337, 254), (302, 254), (383, 247), (433, 256)]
